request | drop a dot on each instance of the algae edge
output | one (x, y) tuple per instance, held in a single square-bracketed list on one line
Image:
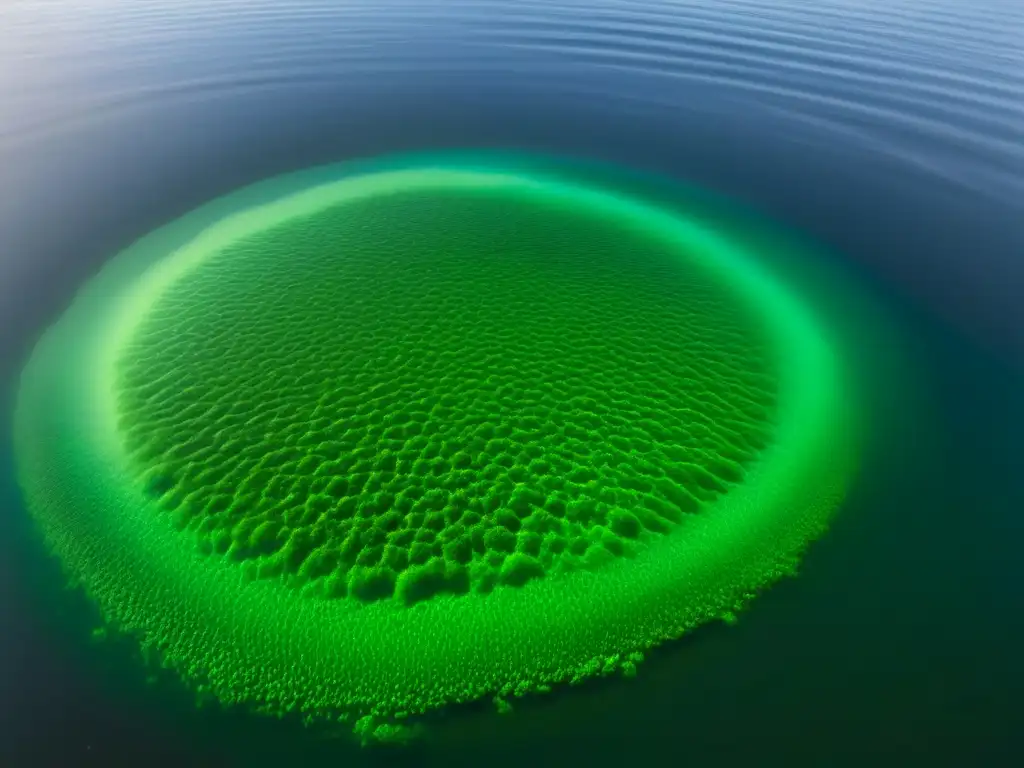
[(216, 637)]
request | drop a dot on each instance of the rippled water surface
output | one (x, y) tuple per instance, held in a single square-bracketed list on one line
[(890, 134)]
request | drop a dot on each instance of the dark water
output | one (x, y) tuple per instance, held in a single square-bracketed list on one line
[(890, 133)]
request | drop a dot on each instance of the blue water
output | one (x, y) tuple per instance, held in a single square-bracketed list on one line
[(889, 132)]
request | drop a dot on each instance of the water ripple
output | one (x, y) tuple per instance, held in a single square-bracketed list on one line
[(939, 84)]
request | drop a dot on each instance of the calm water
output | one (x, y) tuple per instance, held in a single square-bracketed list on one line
[(889, 132)]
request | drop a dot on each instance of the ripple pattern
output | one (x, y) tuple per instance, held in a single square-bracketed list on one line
[(939, 86)]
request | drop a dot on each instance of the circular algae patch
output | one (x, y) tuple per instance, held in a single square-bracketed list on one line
[(370, 443)]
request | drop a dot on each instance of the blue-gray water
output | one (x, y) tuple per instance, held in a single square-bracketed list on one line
[(889, 132)]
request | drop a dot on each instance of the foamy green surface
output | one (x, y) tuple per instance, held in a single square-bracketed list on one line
[(705, 402)]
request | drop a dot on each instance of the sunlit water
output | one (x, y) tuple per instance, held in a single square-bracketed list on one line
[(889, 133)]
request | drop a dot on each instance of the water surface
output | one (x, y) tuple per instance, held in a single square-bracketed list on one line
[(891, 134)]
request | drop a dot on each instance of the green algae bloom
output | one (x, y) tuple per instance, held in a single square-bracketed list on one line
[(370, 440)]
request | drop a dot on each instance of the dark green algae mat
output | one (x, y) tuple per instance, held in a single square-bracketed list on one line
[(378, 438)]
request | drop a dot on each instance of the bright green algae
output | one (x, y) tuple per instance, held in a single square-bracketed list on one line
[(442, 391), (439, 477)]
